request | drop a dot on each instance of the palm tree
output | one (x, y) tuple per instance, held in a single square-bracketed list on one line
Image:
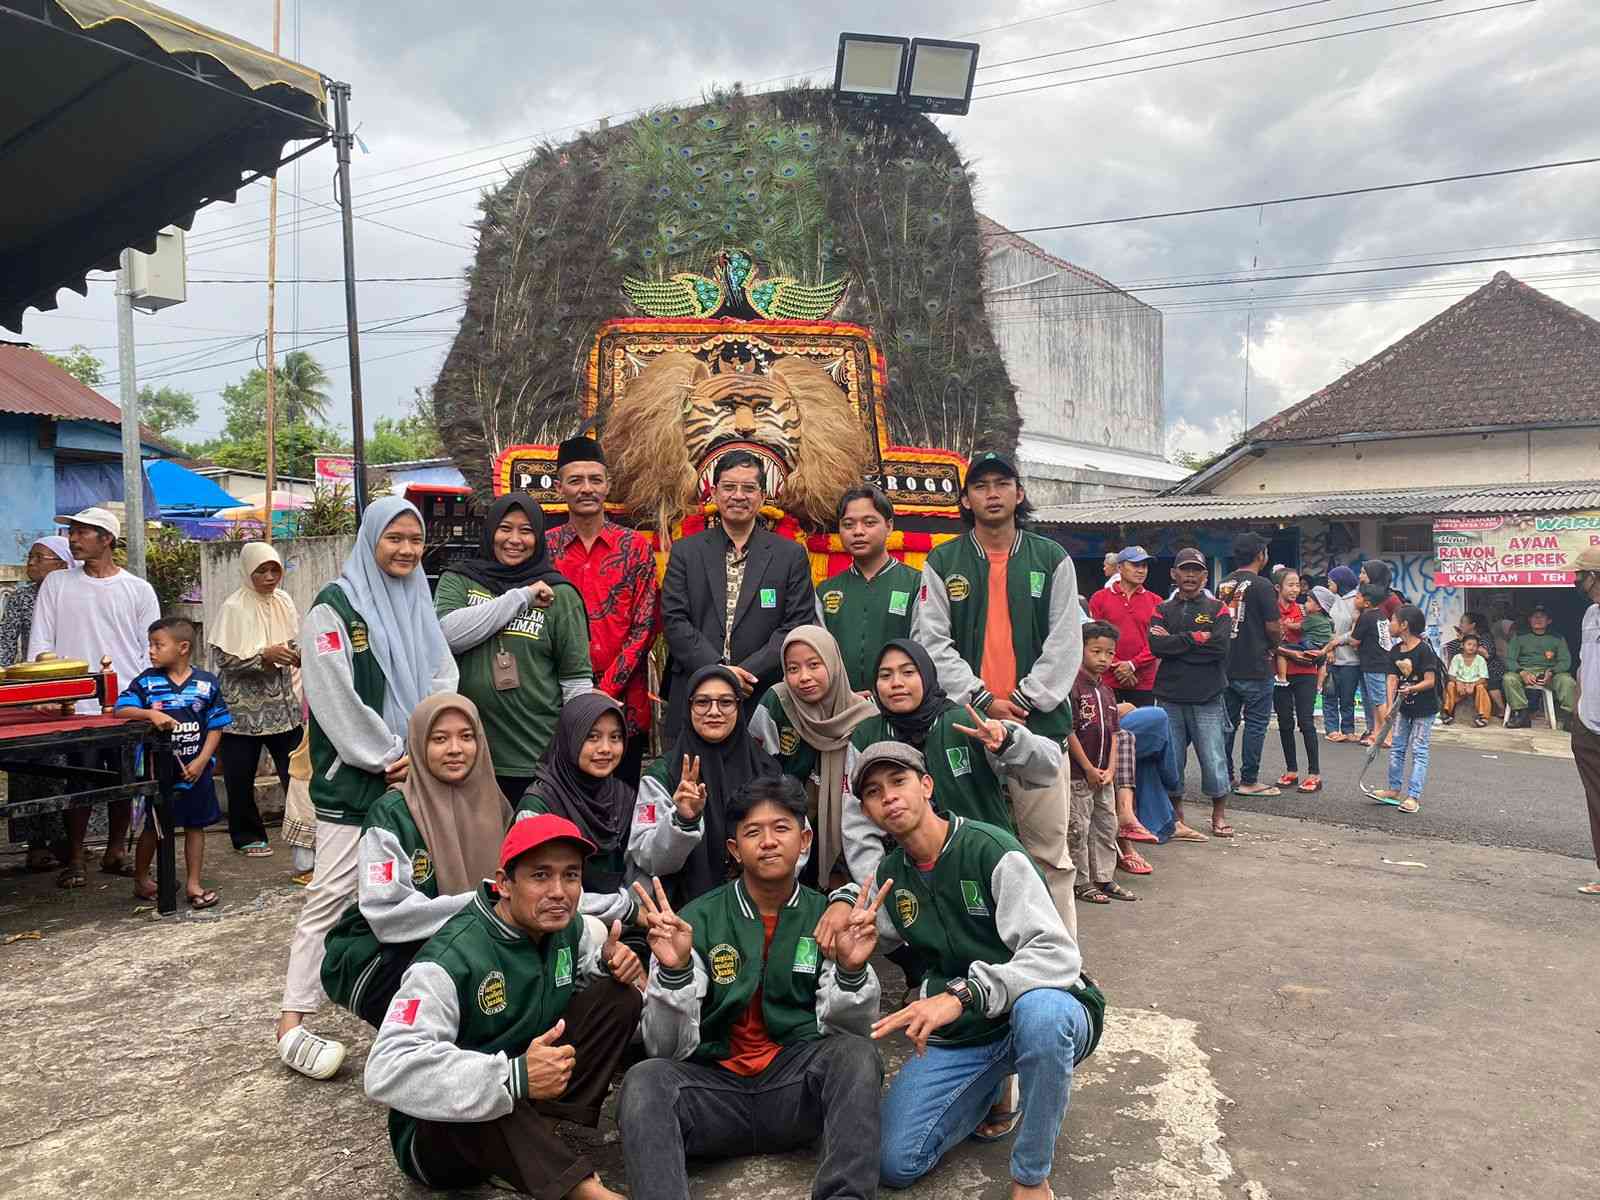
[(302, 388)]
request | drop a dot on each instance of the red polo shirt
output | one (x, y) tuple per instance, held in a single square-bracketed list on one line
[(1131, 615), (616, 577)]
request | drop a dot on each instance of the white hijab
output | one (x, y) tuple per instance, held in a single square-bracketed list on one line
[(401, 626), (250, 622)]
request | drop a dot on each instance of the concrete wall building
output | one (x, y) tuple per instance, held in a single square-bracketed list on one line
[(1086, 359)]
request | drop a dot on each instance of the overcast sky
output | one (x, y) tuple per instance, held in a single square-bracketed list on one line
[(441, 89)]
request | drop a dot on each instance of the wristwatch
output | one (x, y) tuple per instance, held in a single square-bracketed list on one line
[(962, 991)]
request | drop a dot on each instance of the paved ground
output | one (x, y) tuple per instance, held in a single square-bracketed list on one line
[(1292, 1017)]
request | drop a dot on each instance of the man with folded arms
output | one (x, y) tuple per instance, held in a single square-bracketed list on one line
[(759, 1038), (513, 1016)]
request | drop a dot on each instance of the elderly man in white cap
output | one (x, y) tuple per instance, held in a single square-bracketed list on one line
[(99, 612)]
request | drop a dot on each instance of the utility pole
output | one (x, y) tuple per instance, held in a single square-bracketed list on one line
[(132, 457), (342, 140), (272, 301)]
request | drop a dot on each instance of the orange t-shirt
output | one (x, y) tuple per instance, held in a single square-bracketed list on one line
[(753, 1050), (999, 665)]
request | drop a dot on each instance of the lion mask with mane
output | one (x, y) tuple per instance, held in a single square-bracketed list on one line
[(671, 424)]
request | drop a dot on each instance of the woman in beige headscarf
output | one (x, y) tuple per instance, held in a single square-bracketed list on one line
[(257, 657), (805, 723), (427, 846)]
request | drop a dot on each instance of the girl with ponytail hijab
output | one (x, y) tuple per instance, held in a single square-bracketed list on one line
[(373, 652), (805, 722), (426, 846), (257, 652)]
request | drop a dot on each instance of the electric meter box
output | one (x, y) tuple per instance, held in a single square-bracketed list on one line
[(159, 280)]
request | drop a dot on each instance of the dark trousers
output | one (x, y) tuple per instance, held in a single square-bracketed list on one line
[(1247, 702), (1139, 698), (372, 1005), (1586, 753), (523, 1147), (241, 755), (828, 1087), (1295, 703)]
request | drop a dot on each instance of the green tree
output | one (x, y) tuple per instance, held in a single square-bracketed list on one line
[(302, 393), (166, 409), (298, 446), (81, 365), (407, 438), (1191, 460)]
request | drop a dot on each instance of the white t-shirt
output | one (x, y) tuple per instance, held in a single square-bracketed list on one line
[(79, 616), (1589, 670)]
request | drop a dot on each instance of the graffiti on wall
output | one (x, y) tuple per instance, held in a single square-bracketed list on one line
[(1326, 545)]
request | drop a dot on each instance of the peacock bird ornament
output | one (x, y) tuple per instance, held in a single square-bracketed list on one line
[(735, 290)]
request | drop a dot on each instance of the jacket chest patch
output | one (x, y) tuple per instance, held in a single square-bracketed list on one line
[(769, 598), (421, 867), (958, 587), (564, 966), (788, 742), (972, 897), (906, 908), (724, 961), (832, 602), (805, 956), (358, 638), (960, 760), (1036, 584), (899, 603), (492, 994)]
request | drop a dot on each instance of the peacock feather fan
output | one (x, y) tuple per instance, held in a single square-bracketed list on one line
[(869, 216)]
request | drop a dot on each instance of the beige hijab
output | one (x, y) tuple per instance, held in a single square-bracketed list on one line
[(250, 622), (826, 726), (462, 824)]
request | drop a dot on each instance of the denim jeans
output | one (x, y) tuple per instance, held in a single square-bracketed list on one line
[(1339, 703), (1412, 732), (1252, 700), (938, 1099), (827, 1087), (1374, 695), (1199, 725)]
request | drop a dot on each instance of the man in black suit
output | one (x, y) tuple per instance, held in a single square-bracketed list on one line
[(733, 592)]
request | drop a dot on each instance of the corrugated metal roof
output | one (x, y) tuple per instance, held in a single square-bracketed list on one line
[(1204, 509), (31, 384)]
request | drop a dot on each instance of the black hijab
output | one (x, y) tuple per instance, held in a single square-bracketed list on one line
[(913, 727), (725, 767), (489, 571), (601, 808)]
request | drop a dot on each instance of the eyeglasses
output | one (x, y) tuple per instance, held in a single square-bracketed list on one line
[(704, 704)]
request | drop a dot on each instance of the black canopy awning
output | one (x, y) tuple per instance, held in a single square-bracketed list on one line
[(118, 118)]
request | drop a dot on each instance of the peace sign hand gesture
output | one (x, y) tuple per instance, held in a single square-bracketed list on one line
[(859, 938), (671, 937), (992, 734), (690, 798)]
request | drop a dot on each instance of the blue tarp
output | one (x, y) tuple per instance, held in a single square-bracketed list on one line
[(180, 491)]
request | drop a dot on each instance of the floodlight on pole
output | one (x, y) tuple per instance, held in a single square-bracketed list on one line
[(939, 76), (870, 69)]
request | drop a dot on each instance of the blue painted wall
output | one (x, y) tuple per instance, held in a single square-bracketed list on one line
[(27, 487)]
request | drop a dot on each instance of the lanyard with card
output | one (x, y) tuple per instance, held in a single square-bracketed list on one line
[(503, 669)]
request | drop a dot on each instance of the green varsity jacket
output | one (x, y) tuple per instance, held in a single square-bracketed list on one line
[(863, 614), (339, 793)]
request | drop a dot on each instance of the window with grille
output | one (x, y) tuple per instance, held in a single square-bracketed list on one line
[(1412, 538)]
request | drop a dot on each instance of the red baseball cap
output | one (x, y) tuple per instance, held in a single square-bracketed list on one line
[(533, 832)]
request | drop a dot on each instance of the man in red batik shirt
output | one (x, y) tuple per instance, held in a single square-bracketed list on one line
[(614, 569)]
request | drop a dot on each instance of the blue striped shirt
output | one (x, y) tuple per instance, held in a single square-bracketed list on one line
[(196, 705)]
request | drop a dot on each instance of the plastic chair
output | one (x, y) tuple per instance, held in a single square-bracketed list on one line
[(1549, 705)]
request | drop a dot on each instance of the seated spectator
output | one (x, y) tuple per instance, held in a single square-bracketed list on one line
[(1477, 623), (1155, 776), (1540, 659), (1467, 676)]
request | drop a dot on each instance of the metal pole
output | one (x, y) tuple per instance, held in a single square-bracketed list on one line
[(272, 306), (132, 457), (342, 141)]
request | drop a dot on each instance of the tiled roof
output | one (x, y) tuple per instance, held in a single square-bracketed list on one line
[(31, 384), (995, 235), (1342, 505), (1507, 355)]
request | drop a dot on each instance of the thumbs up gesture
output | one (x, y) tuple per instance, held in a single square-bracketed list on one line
[(622, 962), (549, 1065)]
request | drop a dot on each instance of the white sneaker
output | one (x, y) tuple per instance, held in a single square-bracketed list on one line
[(314, 1057)]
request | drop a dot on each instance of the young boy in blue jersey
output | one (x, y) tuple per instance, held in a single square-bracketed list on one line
[(176, 697)]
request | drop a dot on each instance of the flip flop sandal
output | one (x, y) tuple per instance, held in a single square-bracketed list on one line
[(1337, 737), (1089, 894), (144, 897), (1311, 783), (206, 899), (303, 879), (255, 850), (1134, 864), (1221, 831), (1408, 805), (1366, 741), (1479, 722), (1116, 891), (1258, 791), (1190, 835), (1136, 833), (1006, 1122), (1288, 779), (1590, 889), (72, 877), (120, 867), (1391, 800)]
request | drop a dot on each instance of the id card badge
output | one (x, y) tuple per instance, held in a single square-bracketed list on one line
[(503, 672)]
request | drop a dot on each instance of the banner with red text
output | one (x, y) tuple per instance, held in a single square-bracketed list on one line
[(1511, 551)]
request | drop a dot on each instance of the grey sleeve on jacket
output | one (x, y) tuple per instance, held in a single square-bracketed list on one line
[(764, 730), (389, 900), (474, 624), (591, 942), (846, 1003), (658, 843), (1031, 759), (864, 845), (1043, 953), (671, 1020), (1046, 686), (576, 686), (607, 907), (415, 1066), (358, 734), (931, 627)]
